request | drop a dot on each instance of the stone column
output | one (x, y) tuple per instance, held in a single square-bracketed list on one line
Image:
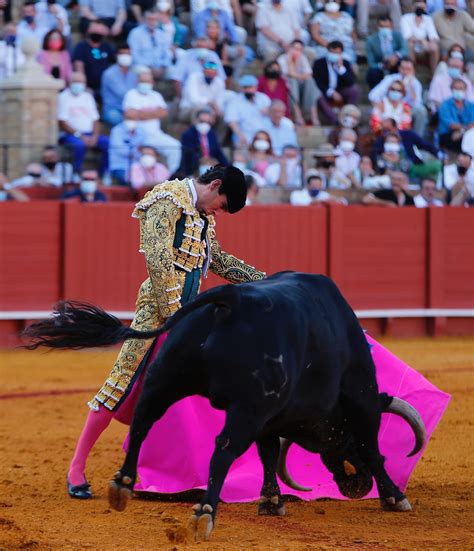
[(28, 112)]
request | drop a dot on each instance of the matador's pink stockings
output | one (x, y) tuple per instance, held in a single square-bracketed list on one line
[(96, 423)]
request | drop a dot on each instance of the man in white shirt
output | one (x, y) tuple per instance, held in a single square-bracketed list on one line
[(28, 26), (460, 173), (419, 31), (202, 89), (79, 123), (288, 172), (11, 56), (280, 128), (148, 107), (276, 27), (413, 96), (303, 11), (426, 197), (314, 193), (247, 113), (52, 15)]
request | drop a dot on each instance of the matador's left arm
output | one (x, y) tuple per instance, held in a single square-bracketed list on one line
[(228, 266)]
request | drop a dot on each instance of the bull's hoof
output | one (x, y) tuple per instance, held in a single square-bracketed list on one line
[(201, 522), (401, 506), (271, 506), (120, 491)]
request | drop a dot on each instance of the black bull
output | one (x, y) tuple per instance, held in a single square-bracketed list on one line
[(285, 358)]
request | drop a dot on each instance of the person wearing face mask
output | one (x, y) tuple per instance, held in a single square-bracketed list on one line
[(87, 191), (288, 171), (276, 27), (148, 108), (53, 171), (456, 116), (247, 112), (420, 33), (454, 26), (392, 157), (28, 26), (349, 116), (260, 153), (332, 25), (54, 57), (377, 8), (458, 175), (93, 55), (79, 123), (116, 81), (314, 193), (440, 86), (125, 141), (52, 15), (147, 172), (202, 89), (336, 81), (272, 84), (111, 12), (11, 57), (393, 107), (395, 196), (200, 141), (348, 161), (384, 50)]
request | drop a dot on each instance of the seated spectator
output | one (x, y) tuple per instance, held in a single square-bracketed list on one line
[(10, 194), (384, 50), (274, 85), (32, 178), (426, 197), (176, 32), (260, 154), (459, 174), (304, 93), (193, 60), (420, 34), (333, 178), (52, 16), (79, 123), (393, 156), (463, 197), (412, 147), (53, 171), (467, 144), (54, 57), (302, 10), (456, 116), (393, 107), (333, 25), (149, 45), (440, 86), (110, 12), (247, 112), (348, 117), (413, 96), (335, 79), (11, 56), (287, 172), (313, 193), (87, 192), (147, 172), (117, 80), (202, 89), (348, 161), (29, 26), (454, 26), (395, 196), (366, 176), (229, 31), (456, 51), (377, 8), (277, 27), (280, 128), (200, 141), (252, 190), (93, 56), (148, 107), (125, 140)]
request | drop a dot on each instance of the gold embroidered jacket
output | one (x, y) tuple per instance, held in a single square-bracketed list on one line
[(169, 260)]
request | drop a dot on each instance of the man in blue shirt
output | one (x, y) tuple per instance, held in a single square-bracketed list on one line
[(117, 80), (125, 139), (212, 11), (456, 116), (149, 45)]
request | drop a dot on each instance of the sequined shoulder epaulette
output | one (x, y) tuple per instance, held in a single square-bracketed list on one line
[(176, 191)]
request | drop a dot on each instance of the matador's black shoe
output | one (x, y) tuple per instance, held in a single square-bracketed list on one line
[(79, 492)]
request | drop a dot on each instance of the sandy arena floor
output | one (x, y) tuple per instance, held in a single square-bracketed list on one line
[(38, 433)]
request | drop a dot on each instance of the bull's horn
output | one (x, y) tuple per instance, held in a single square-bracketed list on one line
[(282, 470), (413, 418)]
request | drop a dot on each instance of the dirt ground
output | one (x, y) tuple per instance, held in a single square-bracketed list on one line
[(37, 437)]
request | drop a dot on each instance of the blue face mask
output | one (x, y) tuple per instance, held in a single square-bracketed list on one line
[(459, 95), (333, 57), (313, 192), (144, 87), (454, 72), (384, 32), (395, 95), (77, 88)]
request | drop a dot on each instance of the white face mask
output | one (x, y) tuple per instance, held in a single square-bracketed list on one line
[(130, 125), (346, 146), (391, 147), (147, 161), (77, 88), (261, 145), (144, 87), (125, 60), (203, 127), (348, 122), (332, 7), (88, 186)]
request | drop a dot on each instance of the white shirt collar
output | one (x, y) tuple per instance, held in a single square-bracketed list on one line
[(192, 187)]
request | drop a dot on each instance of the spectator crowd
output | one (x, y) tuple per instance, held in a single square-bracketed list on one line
[(384, 89)]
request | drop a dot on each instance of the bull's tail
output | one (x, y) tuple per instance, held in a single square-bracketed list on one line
[(77, 325)]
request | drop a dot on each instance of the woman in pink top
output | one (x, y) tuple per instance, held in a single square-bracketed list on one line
[(148, 172), (274, 85), (54, 57)]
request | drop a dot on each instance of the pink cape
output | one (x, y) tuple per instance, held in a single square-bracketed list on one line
[(176, 453)]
